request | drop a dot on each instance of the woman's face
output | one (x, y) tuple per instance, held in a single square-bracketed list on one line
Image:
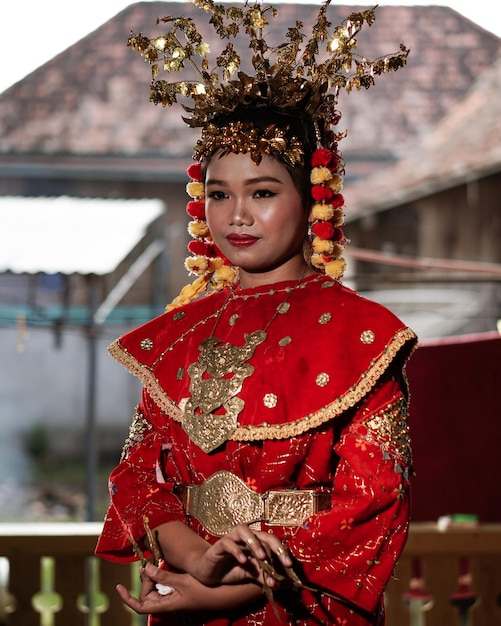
[(256, 217)]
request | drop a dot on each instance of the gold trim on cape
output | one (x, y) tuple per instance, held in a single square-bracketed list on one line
[(342, 403)]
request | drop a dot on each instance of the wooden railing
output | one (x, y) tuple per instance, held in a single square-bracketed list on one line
[(48, 577)]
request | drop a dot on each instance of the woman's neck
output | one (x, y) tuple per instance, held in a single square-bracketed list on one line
[(294, 269)]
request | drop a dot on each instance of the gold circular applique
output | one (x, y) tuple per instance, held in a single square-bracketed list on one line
[(178, 316), (322, 379), (325, 318), (285, 341), (270, 400), (146, 344), (233, 319), (368, 337), (283, 307)]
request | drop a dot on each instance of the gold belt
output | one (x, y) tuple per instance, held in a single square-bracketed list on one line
[(224, 500)]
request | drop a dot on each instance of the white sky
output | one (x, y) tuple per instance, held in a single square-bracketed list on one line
[(34, 31)]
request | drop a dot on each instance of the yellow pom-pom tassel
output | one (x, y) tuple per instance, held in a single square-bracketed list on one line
[(337, 250), (198, 230), (320, 175), (338, 217), (215, 263), (335, 269), (336, 184), (322, 246), (323, 212), (197, 265), (195, 190), (225, 275), (317, 260)]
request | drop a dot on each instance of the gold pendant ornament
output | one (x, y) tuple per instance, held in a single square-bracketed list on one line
[(211, 413)]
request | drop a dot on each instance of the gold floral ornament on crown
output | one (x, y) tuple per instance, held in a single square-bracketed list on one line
[(288, 75)]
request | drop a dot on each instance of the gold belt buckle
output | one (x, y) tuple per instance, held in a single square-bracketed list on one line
[(224, 500), (290, 507)]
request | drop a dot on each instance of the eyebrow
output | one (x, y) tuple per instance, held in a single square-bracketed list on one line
[(250, 181)]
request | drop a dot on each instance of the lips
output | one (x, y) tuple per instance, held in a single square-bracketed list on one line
[(241, 240)]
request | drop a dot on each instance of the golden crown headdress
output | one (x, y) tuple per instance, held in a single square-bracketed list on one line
[(293, 74), (296, 74)]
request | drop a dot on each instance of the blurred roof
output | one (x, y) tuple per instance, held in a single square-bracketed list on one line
[(464, 146), (71, 235), (93, 98)]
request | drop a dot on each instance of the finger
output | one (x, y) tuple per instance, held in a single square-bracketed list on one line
[(156, 574), (284, 555), (129, 600)]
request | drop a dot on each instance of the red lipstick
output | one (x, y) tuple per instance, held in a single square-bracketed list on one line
[(241, 240)]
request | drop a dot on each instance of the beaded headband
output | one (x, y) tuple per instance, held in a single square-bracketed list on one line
[(295, 75)]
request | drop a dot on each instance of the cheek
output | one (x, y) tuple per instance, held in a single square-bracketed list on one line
[(212, 216)]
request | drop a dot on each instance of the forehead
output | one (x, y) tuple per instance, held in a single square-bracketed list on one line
[(238, 166)]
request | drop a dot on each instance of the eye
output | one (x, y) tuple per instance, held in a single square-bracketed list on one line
[(217, 195), (264, 193)]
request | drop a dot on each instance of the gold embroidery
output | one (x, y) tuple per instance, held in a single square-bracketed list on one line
[(205, 428), (389, 430), (178, 315), (325, 318), (270, 400), (285, 341), (146, 344), (283, 307), (138, 429), (367, 337), (263, 431), (322, 379), (233, 319)]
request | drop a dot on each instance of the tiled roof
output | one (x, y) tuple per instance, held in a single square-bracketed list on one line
[(93, 98), (464, 146)]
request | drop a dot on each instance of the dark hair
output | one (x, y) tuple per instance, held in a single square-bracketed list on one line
[(295, 123)]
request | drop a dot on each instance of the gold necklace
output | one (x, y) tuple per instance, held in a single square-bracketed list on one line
[(216, 379)]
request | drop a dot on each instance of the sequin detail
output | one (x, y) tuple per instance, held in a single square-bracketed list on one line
[(233, 319), (180, 373), (283, 307), (137, 431), (178, 315), (368, 337), (325, 318), (270, 400), (146, 344), (389, 429), (285, 341), (322, 379)]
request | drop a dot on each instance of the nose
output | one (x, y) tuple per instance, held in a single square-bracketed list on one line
[(240, 214)]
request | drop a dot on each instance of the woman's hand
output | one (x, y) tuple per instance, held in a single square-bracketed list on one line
[(189, 594), (242, 555)]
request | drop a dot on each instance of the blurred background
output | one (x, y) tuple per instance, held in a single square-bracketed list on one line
[(93, 235)]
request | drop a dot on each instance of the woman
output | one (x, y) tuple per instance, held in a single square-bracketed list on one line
[(270, 450)]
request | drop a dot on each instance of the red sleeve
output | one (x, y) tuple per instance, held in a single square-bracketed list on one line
[(137, 487), (350, 550)]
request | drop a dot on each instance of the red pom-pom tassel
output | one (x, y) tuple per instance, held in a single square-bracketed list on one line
[(202, 248), (321, 193), (325, 230), (196, 209), (195, 172)]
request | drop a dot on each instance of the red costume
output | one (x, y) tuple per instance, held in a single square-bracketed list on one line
[(320, 405)]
